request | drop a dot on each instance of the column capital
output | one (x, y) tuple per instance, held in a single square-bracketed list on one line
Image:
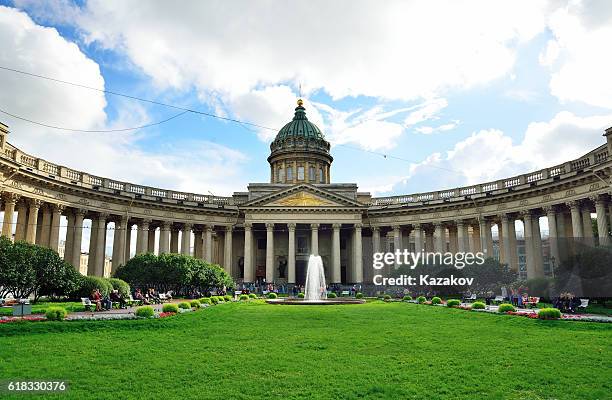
[(166, 225), (396, 228), (358, 226), (248, 226), (269, 226), (209, 227), (229, 228), (144, 224), (417, 226), (291, 226), (526, 214), (103, 216), (336, 226), (438, 224), (314, 226), (504, 218), (187, 226), (376, 229), (35, 203), (9, 197), (573, 205), (549, 210), (81, 212), (58, 208)]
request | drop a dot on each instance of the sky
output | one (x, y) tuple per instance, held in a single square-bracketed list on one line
[(456, 92)]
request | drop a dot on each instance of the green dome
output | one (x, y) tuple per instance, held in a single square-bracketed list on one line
[(300, 127)]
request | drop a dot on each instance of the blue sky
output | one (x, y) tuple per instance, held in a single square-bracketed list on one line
[(462, 92)]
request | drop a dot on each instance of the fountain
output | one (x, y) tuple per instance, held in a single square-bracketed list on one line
[(315, 288)]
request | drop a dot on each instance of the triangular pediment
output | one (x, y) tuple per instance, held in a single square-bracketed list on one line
[(303, 195)]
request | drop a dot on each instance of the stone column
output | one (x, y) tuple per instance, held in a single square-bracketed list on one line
[(151, 240), (553, 235), (10, 200), (602, 221), (357, 256), (505, 240), (186, 240), (164, 237), (22, 221), (336, 273), (485, 232), (128, 241), (91, 249), (208, 242), (174, 240), (397, 238), (453, 243), (488, 239), (79, 216), (269, 252), (530, 257), (56, 218), (429, 240), (32, 224), (418, 238), (587, 224), (314, 239), (142, 236), (227, 250), (438, 237), (576, 219), (512, 253), (198, 243), (100, 245), (462, 237), (119, 237), (537, 248), (45, 228), (375, 239), (69, 244), (248, 253)]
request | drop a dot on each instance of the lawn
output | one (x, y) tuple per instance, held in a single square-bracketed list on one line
[(375, 350)]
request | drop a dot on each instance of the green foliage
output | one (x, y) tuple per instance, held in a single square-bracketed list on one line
[(387, 297), (549, 313), (436, 300), (252, 296), (170, 307), (91, 283), (214, 300), (407, 298), (359, 295), (220, 299), (122, 286), (205, 300), (331, 295), (244, 297), (505, 308), (453, 303), (27, 269), (56, 313), (184, 305), (144, 312), (421, 299), (272, 295), (227, 297), (586, 272), (177, 272), (195, 304), (300, 295), (478, 305)]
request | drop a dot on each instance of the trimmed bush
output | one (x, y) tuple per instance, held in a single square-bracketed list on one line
[(505, 308), (144, 312), (549, 313), (359, 295), (407, 298), (227, 297), (300, 295), (244, 297), (478, 305), (436, 300), (252, 296), (421, 299), (453, 303), (170, 307), (272, 295), (184, 305), (220, 299), (205, 300), (195, 304), (90, 283), (387, 297), (214, 300), (332, 295), (56, 313)]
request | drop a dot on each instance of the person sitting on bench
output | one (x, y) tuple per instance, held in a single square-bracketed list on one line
[(116, 297)]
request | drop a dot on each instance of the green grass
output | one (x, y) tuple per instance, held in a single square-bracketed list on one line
[(41, 307), (376, 350)]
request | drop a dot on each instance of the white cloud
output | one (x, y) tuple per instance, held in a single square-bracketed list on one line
[(489, 155), (426, 111), (235, 47), (115, 155), (428, 130), (577, 56)]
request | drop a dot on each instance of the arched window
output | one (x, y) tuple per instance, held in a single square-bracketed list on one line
[(300, 173), (289, 174), (311, 174), (321, 177)]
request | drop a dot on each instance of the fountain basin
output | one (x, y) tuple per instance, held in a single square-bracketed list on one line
[(322, 302)]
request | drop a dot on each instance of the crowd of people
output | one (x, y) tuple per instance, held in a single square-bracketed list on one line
[(101, 302)]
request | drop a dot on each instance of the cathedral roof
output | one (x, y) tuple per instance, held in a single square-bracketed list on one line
[(300, 127)]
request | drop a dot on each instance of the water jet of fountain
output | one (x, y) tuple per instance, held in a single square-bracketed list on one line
[(315, 288)]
